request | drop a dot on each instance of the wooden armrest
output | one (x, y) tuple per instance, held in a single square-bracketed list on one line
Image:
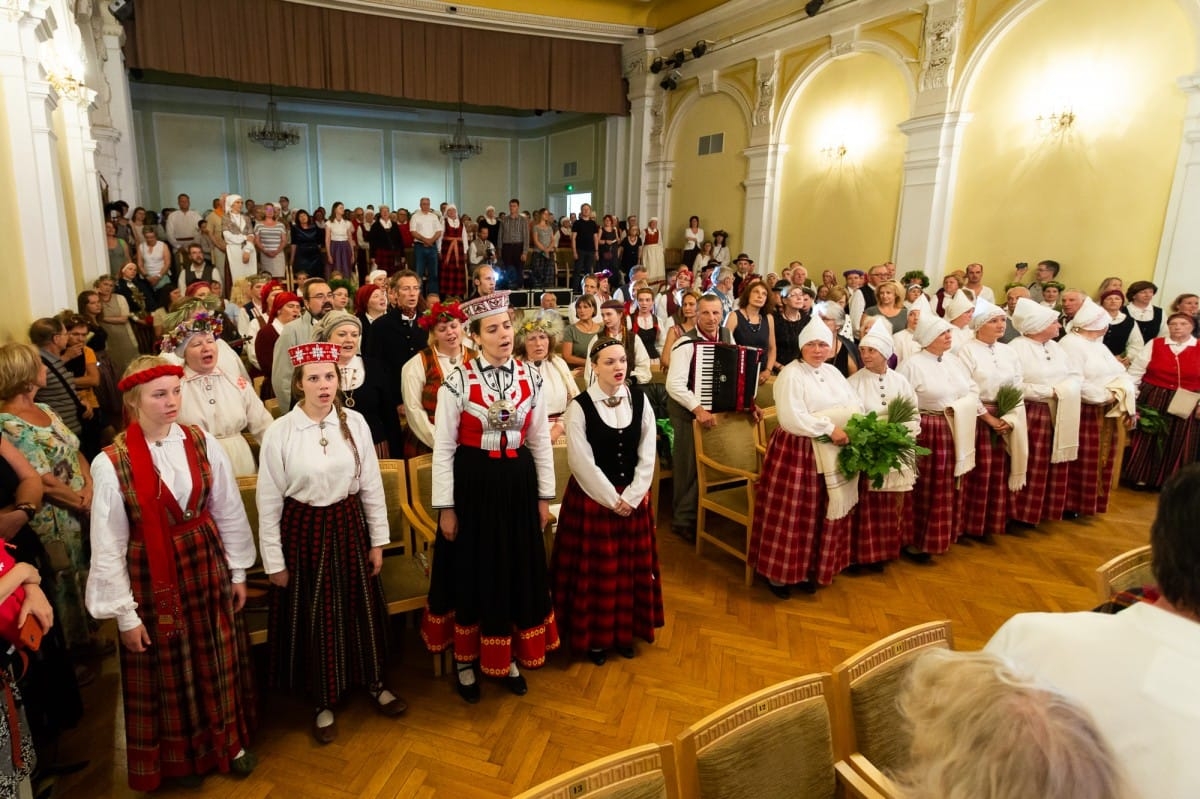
[(871, 773), (726, 469), (854, 783)]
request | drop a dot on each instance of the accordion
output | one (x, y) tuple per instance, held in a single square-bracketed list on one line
[(726, 375)]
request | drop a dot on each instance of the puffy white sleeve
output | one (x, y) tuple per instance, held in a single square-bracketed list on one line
[(108, 594), (228, 512), (412, 383), (370, 482), (582, 460), (792, 409), (1139, 363), (272, 484), (445, 440), (258, 418), (635, 492), (538, 441), (641, 362)]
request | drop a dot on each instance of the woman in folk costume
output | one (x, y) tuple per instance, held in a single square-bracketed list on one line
[(452, 274), (1001, 442), (652, 250), (607, 589), (323, 523), (489, 596), (1105, 383), (237, 229), (1165, 366), (170, 549), (949, 403), (1051, 384), (537, 345), (423, 374), (959, 310), (883, 518), (222, 404), (801, 534)]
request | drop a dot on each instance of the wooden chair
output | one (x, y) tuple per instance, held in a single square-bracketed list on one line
[(564, 260), (562, 473), (405, 572), (272, 406), (1114, 438), (765, 398), (644, 772), (1131, 569), (763, 432), (420, 488), (772, 744), (256, 579), (869, 732), (726, 472)]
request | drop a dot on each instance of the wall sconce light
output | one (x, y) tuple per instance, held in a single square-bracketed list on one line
[(1056, 122), (834, 152), (671, 82)]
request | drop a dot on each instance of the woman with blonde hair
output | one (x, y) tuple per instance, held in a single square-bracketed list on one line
[(170, 547), (889, 304), (537, 346)]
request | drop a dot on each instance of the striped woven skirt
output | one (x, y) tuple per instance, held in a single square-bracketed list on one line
[(882, 524), (189, 699), (791, 540), (489, 595), (327, 629), (1152, 459), (937, 510), (986, 497), (1090, 475), (1044, 496), (604, 572)]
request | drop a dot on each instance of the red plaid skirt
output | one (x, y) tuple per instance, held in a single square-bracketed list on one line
[(986, 497), (327, 628), (452, 270), (882, 524), (385, 260), (1044, 496), (791, 540), (604, 574), (1153, 459), (190, 699), (1090, 475), (937, 511)]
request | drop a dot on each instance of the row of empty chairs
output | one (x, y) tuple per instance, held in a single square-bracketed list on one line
[(836, 734)]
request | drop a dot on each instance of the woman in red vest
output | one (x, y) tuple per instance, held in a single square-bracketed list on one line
[(423, 374), (1168, 364)]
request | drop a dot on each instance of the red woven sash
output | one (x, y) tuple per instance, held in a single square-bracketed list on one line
[(156, 533)]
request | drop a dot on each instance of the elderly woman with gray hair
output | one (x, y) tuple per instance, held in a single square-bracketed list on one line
[(364, 386), (223, 404)]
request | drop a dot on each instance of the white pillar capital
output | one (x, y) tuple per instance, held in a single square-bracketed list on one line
[(1179, 248)]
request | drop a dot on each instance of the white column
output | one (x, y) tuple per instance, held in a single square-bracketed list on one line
[(758, 233), (118, 145), (926, 199), (1179, 253), (638, 132), (81, 168), (616, 166), (28, 103), (657, 183)]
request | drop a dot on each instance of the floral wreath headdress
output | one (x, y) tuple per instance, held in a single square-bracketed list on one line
[(544, 321), (438, 313), (204, 321)]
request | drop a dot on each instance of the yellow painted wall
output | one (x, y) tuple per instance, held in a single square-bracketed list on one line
[(14, 323), (709, 186), (1094, 197), (834, 212)]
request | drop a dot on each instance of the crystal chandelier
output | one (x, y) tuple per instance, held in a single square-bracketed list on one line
[(272, 134), (458, 146)]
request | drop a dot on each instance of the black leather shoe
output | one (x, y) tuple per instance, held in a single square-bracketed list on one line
[(597, 656), (625, 652), (916, 555), (469, 693), (686, 533), (781, 591), (807, 586), (517, 684)]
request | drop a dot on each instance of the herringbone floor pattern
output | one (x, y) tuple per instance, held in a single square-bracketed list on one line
[(721, 641)]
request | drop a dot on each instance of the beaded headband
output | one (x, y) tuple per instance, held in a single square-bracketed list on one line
[(438, 313), (487, 305), (604, 343), (314, 352), (146, 375)]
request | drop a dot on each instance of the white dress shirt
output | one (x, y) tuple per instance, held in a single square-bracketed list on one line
[(412, 385), (425, 223), (939, 382), (183, 227), (109, 595), (292, 463), (875, 391), (224, 406), (1043, 366), (582, 459), (802, 392), (992, 366)]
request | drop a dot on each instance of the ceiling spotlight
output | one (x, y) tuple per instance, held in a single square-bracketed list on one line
[(813, 6), (699, 48), (677, 59), (656, 66), (671, 81)]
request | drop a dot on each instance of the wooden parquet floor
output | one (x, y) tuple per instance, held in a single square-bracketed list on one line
[(721, 641)]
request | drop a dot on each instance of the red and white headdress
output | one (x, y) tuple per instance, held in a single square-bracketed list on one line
[(487, 305), (314, 352)]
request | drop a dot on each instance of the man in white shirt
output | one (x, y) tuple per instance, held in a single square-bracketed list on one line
[(183, 227), (864, 298), (426, 229), (626, 293), (1135, 671), (975, 283)]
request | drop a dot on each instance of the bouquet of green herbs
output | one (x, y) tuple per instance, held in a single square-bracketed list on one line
[(1153, 424), (1007, 400), (879, 445)]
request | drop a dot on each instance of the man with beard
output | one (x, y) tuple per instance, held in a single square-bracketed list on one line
[(318, 301)]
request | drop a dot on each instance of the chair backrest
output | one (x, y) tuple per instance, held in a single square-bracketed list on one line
[(774, 743), (562, 472), (395, 490), (644, 772), (867, 686), (765, 429), (729, 443), (1128, 570), (420, 487), (248, 488), (272, 406), (765, 398)]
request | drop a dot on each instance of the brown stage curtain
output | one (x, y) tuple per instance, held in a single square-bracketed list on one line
[(308, 47)]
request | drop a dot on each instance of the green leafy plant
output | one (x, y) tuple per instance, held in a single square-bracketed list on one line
[(878, 446), (1008, 398), (1152, 423), (915, 276)]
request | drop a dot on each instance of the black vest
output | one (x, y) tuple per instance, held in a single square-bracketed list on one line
[(1149, 329), (206, 275), (868, 293), (1116, 338), (615, 451)]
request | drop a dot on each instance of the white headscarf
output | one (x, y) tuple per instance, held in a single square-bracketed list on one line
[(957, 305), (929, 327), (456, 221), (815, 330), (1090, 316), (879, 337), (921, 304), (1030, 317), (984, 313), (230, 199)]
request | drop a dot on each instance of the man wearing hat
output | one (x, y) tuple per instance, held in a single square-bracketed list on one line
[(723, 289), (744, 267)]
